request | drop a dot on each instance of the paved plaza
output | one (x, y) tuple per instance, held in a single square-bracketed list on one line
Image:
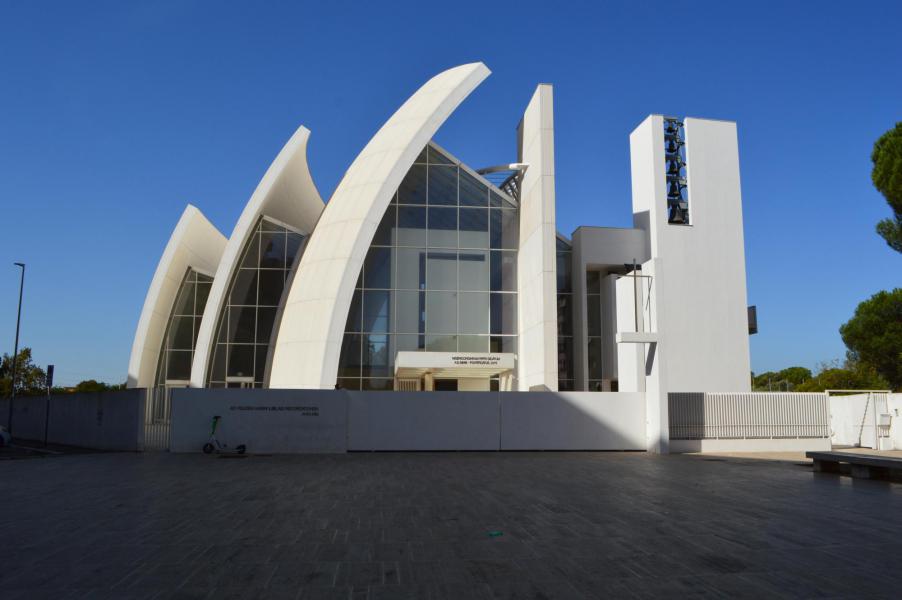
[(442, 525)]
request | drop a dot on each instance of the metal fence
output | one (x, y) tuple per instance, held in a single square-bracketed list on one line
[(157, 418), (764, 415)]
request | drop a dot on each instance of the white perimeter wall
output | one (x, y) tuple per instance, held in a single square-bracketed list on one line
[(297, 421), (266, 421), (847, 413), (573, 421)]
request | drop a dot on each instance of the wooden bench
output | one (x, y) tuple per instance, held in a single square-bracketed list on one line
[(861, 466)]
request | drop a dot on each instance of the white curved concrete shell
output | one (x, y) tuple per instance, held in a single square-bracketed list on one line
[(286, 193), (195, 243), (308, 345)]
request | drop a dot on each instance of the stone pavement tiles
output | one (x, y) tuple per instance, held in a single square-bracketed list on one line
[(426, 526)]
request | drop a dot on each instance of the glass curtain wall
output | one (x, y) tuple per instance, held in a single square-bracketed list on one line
[(564, 317), (246, 322), (440, 274), (593, 327), (177, 350)]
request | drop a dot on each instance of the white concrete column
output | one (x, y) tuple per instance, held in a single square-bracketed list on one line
[(537, 260)]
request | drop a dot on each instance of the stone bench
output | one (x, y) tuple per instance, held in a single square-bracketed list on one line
[(861, 466)]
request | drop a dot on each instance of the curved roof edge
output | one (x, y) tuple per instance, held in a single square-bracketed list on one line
[(308, 343), (286, 193), (195, 243)]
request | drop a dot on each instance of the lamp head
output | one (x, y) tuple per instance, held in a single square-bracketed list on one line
[(18, 264)]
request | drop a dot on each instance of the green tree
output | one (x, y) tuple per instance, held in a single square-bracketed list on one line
[(92, 385), (30, 378), (786, 380), (874, 335), (851, 376), (887, 178)]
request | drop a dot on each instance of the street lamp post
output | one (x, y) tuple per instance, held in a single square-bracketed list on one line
[(9, 418)]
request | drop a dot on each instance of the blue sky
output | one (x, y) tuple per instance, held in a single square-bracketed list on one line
[(114, 115)]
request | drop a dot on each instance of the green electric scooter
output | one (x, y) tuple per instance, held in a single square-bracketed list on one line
[(214, 445)]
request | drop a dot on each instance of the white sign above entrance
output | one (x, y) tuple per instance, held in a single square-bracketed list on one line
[(459, 364)]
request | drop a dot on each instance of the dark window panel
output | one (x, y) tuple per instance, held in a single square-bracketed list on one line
[(349, 361), (251, 258), (355, 313), (376, 359), (377, 268), (436, 157), (472, 191), (376, 311), (411, 226), (593, 315), (244, 290), (442, 185), (241, 360), (266, 317), (442, 227), (376, 385), (242, 323), (413, 188), (273, 250), (178, 365), (385, 232), (272, 284)]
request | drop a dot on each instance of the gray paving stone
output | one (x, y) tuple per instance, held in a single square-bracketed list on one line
[(416, 525)]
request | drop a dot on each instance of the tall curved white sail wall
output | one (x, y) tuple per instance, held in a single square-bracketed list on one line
[(287, 194), (196, 244), (308, 345)]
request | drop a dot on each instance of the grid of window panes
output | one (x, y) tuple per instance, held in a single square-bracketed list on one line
[(177, 349), (440, 274), (564, 317), (593, 327), (246, 322)]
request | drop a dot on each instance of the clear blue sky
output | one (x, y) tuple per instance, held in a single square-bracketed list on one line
[(114, 115)]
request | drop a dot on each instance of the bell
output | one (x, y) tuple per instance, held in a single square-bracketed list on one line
[(675, 189), (673, 146), (673, 167), (676, 215)]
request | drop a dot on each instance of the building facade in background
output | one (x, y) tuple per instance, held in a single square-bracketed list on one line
[(424, 273)]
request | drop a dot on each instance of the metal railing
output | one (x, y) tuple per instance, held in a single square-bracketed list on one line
[(761, 415), (157, 418)]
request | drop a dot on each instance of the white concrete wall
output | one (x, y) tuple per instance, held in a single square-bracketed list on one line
[(852, 421), (266, 421), (101, 421), (280, 421), (895, 410), (847, 413), (751, 445), (195, 243), (309, 339), (536, 261), (573, 421), (423, 420)]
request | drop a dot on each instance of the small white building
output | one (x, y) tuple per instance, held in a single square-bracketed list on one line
[(424, 273)]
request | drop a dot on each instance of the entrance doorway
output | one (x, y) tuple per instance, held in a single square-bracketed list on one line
[(445, 385)]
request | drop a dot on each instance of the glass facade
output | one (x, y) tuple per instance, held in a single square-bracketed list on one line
[(246, 322), (564, 317), (593, 328), (440, 274), (177, 350)]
